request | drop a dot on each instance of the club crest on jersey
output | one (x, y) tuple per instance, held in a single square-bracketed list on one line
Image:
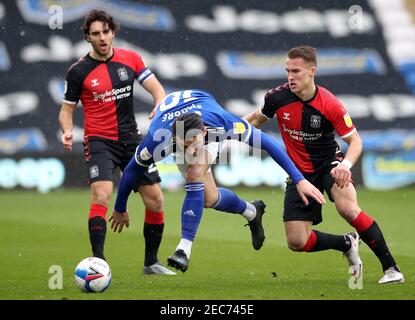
[(315, 121), (122, 74), (348, 120)]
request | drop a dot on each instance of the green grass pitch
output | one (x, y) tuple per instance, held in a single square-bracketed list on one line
[(38, 231)]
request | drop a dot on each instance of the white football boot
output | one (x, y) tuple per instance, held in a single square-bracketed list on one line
[(392, 276), (157, 269), (355, 263)]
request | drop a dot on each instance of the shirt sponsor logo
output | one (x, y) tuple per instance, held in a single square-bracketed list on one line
[(301, 135), (114, 94)]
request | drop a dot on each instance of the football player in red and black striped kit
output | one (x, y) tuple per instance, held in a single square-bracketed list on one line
[(103, 81), (308, 117)]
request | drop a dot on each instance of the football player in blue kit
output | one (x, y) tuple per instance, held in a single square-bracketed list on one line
[(193, 126)]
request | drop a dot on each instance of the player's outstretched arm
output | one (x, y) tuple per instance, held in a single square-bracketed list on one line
[(127, 184), (255, 118), (305, 188)]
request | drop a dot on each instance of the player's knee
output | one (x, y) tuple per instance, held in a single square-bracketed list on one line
[(209, 203), (101, 197), (296, 244), (154, 201), (194, 174), (349, 212)]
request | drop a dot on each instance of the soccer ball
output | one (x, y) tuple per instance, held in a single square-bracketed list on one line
[(93, 275)]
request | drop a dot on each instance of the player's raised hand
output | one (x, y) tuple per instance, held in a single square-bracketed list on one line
[(118, 220), (305, 188), (341, 175), (67, 140)]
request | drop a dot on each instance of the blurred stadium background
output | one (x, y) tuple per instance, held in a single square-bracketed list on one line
[(234, 49)]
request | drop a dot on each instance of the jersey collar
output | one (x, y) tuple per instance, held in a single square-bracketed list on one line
[(312, 98), (102, 61)]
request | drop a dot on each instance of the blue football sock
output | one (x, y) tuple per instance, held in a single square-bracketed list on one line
[(192, 209), (228, 201)]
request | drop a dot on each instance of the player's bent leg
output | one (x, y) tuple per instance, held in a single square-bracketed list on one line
[(345, 200), (300, 237), (192, 211), (297, 234), (368, 230), (211, 190), (100, 194)]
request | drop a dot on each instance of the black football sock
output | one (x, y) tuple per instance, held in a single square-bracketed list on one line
[(97, 230), (152, 236), (373, 237), (326, 241)]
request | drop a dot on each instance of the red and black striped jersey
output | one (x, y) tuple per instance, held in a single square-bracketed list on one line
[(105, 89), (308, 127)]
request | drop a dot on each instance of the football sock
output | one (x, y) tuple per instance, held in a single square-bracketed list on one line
[(97, 226), (228, 201), (153, 232), (186, 246), (192, 209), (371, 234), (319, 241)]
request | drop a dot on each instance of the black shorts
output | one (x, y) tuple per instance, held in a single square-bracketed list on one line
[(103, 157), (294, 207)]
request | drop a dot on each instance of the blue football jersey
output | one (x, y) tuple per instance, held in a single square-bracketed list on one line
[(220, 124), (201, 102)]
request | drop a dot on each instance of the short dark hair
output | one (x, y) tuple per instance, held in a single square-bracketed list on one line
[(98, 15), (309, 54), (190, 120)]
